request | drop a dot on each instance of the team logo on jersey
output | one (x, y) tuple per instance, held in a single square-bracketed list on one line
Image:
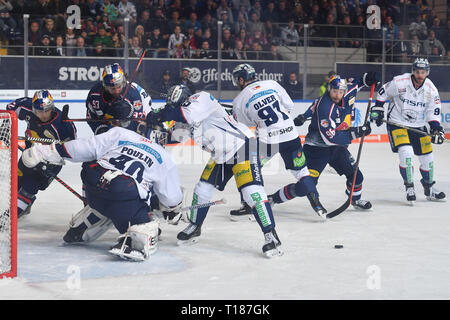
[(137, 104), (401, 90), (351, 100), (410, 115), (256, 87), (324, 123), (437, 100)]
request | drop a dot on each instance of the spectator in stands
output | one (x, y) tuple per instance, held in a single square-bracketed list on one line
[(176, 6), (223, 7), (273, 53), (192, 7), (175, 43), (81, 50), (160, 21), (198, 36), (241, 23), (299, 15), (433, 42), (273, 32), (259, 38), (127, 9), (270, 13), (256, 9), (184, 79), (210, 8), (435, 55), (418, 28), (207, 36), (109, 27), (49, 29), (357, 32), (40, 9), (345, 34), (34, 38), (327, 32), (440, 32), (111, 11), (103, 38), (209, 22), (323, 87), (228, 44), (242, 11), (255, 24), (139, 32), (392, 29), (117, 45), (226, 22), (292, 86), (92, 9), (100, 51), (158, 44), (238, 52), (416, 46), (60, 49), (44, 49), (90, 28), (255, 52), (164, 84), (192, 22), (70, 41), (6, 20), (187, 50), (401, 48), (175, 20), (244, 38), (316, 14), (205, 52), (135, 49), (289, 34), (145, 22), (284, 12)]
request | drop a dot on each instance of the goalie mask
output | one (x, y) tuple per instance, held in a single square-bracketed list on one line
[(42, 101), (244, 71), (158, 135)]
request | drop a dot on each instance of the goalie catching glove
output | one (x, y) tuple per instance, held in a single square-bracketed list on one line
[(39, 153)]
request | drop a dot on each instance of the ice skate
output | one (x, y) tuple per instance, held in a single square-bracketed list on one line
[(361, 204), (124, 251), (189, 235), (410, 193), (432, 193), (272, 245), (244, 213), (316, 205)]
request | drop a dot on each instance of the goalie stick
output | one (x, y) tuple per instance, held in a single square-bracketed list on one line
[(347, 203), (65, 185)]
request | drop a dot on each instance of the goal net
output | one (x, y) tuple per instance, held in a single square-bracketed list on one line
[(8, 194)]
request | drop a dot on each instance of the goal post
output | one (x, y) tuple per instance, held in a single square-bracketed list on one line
[(8, 193)]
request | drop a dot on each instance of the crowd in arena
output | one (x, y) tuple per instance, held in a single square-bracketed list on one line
[(251, 29)]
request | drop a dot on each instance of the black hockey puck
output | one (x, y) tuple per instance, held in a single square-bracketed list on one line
[(338, 246)]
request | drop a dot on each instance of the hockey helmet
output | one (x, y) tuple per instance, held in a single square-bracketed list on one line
[(177, 95), (337, 83), (113, 76), (121, 110), (421, 64), (244, 71), (42, 101), (158, 135)]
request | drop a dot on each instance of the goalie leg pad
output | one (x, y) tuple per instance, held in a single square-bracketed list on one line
[(86, 226)]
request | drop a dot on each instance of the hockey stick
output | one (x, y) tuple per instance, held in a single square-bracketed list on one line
[(39, 139), (204, 205), (410, 129), (76, 194), (347, 203), (134, 73)]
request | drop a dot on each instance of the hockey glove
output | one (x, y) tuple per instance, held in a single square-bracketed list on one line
[(155, 118), (437, 135), (370, 78), (299, 120), (361, 131), (31, 157), (377, 115)]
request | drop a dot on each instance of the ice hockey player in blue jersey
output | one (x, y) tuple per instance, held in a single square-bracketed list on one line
[(44, 120), (331, 132), (112, 88), (121, 171)]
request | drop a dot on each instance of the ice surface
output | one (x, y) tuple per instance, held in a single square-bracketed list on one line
[(394, 251)]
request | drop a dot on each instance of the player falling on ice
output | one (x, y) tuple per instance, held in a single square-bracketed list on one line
[(266, 105), (233, 151), (414, 102), (121, 170), (44, 120), (331, 132)]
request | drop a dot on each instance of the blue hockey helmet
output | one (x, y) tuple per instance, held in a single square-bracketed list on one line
[(336, 82), (113, 76), (244, 71), (421, 64), (177, 95), (42, 101)]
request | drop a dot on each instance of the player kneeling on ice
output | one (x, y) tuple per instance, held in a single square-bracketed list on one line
[(44, 120), (331, 132), (233, 151), (414, 102), (121, 171)]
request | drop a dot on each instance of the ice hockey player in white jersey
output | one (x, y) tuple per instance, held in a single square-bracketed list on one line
[(121, 171), (233, 151), (267, 106), (414, 102)]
